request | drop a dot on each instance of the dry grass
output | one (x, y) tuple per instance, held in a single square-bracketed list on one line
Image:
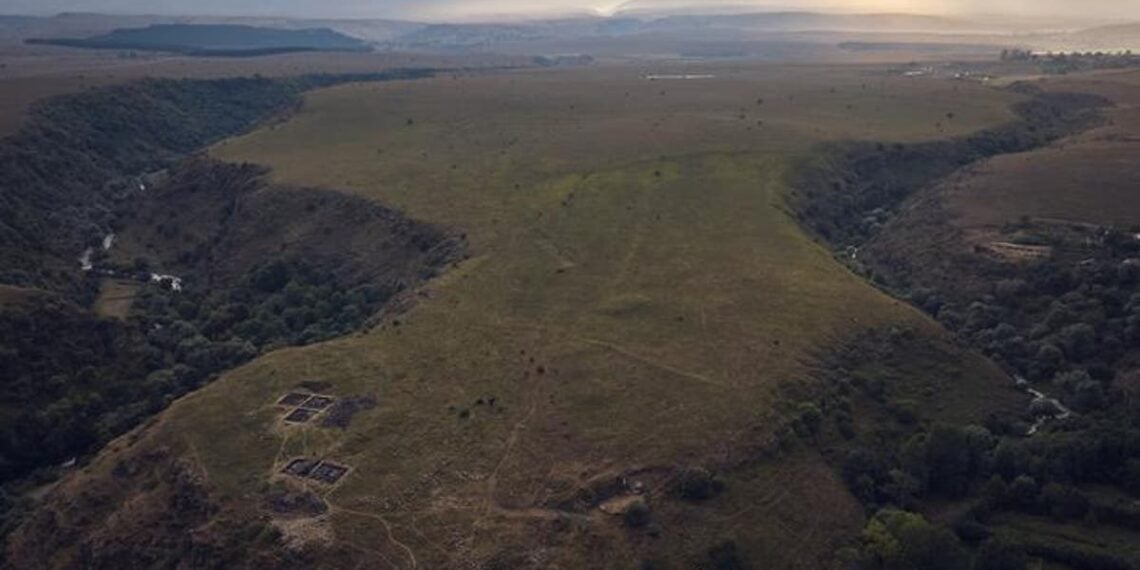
[(1088, 178), (31, 73), (12, 296), (115, 298)]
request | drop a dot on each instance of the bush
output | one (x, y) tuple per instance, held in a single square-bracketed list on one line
[(726, 556), (1023, 492), (1063, 502), (810, 416), (637, 514), (904, 411), (695, 484), (899, 540), (997, 554)]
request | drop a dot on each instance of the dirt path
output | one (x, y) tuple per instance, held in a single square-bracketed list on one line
[(653, 362), (387, 529), (198, 460)]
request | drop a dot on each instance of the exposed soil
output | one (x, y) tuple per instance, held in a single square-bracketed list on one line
[(300, 416), (342, 412), (288, 502), (292, 400)]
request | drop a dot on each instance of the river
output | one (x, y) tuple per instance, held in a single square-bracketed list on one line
[(87, 264), (1062, 411)]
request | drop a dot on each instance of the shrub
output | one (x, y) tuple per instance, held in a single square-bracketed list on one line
[(903, 410), (810, 416), (997, 554), (900, 540), (726, 556), (695, 484), (637, 514)]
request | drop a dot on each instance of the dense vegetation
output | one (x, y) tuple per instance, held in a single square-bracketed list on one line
[(215, 40), (65, 376), (1062, 63), (71, 381), (911, 464), (64, 173), (1068, 324), (847, 200)]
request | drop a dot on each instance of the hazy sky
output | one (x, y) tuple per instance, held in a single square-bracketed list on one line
[(466, 9)]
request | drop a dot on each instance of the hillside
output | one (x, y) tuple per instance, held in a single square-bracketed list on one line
[(1030, 257), (641, 323), (94, 344), (583, 313), (81, 155), (214, 40)]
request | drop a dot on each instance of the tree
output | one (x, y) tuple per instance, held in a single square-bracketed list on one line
[(811, 416), (955, 457), (1064, 502), (998, 554), (994, 492), (1023, 491), (726, 556), (695, 484), (900, 540), (1132, 476), (271, 278), (637, 514), (1078, 340)]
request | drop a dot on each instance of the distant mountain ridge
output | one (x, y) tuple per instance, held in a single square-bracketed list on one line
[(216, 39), (815, 21), (728, 25), (631, 21)]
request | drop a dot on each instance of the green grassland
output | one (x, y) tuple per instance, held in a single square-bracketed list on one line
[(637, 299)]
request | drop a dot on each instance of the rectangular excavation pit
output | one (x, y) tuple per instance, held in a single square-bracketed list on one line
[(301, 467), (293, 399), (300, 416), (318, 402), (328, 473)]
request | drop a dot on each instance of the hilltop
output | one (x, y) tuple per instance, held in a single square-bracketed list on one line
[(206, 40)]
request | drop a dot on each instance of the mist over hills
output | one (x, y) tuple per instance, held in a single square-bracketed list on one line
[(216, 40), (632, 22)]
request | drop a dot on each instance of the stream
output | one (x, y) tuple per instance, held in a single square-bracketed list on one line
[(87, 264), (1062, 412)]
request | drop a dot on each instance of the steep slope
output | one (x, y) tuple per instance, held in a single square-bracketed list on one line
[(80, 155), (266, 270), (1031, 258), (74, 379)]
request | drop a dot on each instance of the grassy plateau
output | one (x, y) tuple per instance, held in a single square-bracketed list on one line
[(637, 299)]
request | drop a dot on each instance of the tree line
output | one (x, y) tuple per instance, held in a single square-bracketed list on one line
[(1068, 324)]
